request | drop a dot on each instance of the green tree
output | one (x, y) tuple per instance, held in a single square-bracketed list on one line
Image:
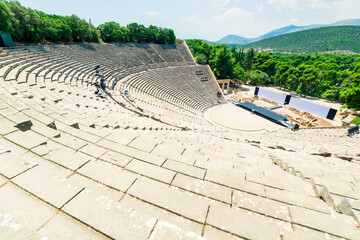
[(292, 81), (257, 77), (282, 74), (309, 80), (201, 59), (351, 96), (223, 63), (6, 17), (239, 72), (248, 61)]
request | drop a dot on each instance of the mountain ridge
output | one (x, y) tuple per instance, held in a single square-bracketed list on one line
[(239, 40), (318, 40)]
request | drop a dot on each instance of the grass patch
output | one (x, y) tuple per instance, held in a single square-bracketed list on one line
[(356, 121)]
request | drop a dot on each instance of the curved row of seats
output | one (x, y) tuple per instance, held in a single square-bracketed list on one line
[(87, 159), (74, 161), (316, 140), (115, 57), (178, 85), (164, 72)]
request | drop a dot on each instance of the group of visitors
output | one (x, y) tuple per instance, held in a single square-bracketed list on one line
[(99, 85)]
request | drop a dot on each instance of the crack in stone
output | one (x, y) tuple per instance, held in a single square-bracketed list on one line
[(152, 230), (127, 190), (204, 226)]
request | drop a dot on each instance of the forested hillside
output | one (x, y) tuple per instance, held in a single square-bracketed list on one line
[(32, 26), (317, 40), (329, 76), (136, 33)]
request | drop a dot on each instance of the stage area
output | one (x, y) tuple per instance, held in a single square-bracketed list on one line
[(235, 118)]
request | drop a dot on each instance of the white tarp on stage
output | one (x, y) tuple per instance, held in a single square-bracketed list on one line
[(272, 96)]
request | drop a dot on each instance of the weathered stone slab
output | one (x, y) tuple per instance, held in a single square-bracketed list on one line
[(237, 183), (123, 137), (132, 152), (18, 117), (68, 158), (70, 141), (28, 139), (8, 111), (40, 114), (334, 224), (13, 164), (44, 130), (215, 234), (101, 132), (46, 148), (82, 134), (154, 192), (306, 233), (355, 204), (99, 208), (244, 223), (30, 212), (169, 226), (2, 180), (6, 126), (63, 226), (167, 231), (116, 158), (210, 165), (144, 142), (6, 146), (184, 168), (292, 183), (261, 205), (195, 154), (48, 181), (297, 199), (10, 228), (205, 188), (169, 150), (343, 189), (108, 174), (93, 150), (152, 171)]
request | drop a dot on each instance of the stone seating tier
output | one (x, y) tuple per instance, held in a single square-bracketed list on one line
[(85, 164)]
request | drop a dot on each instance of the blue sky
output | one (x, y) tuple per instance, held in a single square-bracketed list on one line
[(206, 19)]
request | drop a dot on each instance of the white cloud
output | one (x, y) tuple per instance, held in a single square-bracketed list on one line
[(233, 15), (255, 20), (220, 3), (260, 7), (345, 9), (284, 4), (151, 13), (232, 21), (318, 3), (193, 19), (297, 4)]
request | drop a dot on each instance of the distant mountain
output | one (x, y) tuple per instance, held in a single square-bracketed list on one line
[(203, 40), (318, 40), (349, 22), (276, 32), (234, 39)]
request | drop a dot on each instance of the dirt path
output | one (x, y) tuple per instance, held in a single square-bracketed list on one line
[(294, 116)]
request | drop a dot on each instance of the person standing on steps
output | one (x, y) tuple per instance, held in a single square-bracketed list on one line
[(97, 87), (102, 82)]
